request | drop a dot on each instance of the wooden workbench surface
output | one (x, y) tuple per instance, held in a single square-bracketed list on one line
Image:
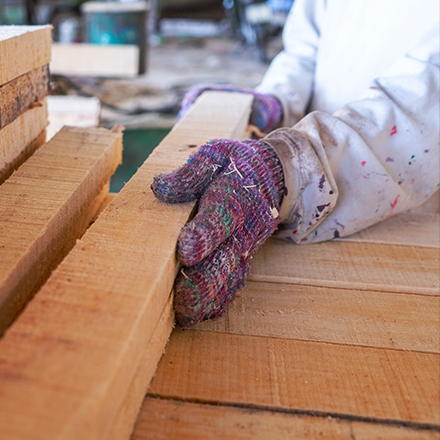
[(333, 340)]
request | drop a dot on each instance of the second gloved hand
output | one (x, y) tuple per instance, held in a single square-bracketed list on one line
[(239, 185), (266, 112)]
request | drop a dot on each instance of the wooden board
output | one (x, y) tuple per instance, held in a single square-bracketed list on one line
[(21, 138), (95, 60), (362, 266), (328, 379), (123, 424), (47, 205), (170, 419), (79, 111), (67, 364), (22, 49), (417, 227), (22, 93), (342, 316)]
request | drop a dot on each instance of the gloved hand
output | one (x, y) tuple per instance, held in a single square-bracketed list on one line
[(239, 185), (266, 112)]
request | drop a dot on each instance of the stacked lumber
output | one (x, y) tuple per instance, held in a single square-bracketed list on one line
[(77, 362), (25, 53)]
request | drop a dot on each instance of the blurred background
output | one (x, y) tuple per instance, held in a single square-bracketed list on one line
[(131, 62)]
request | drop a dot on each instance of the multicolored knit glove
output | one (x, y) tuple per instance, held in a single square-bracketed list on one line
[(266, 112), (239, 185)]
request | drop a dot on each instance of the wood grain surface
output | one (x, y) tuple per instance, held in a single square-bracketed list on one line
[(171, 419), (350, 265), (342, 316), (324, 378), (21, 138), (22, 49), (46, 206), (22, 93)]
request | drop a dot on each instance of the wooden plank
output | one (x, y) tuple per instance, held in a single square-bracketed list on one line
[(46, 206), (373, 319), (95, 60), (68, 362), (22, 93), (22, 49), (21, 138), (319, 378), (79, 111), (127, 414), (170, 419), (417, 227), (347, 265)]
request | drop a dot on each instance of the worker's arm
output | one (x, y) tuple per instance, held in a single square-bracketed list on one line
[(372, 159), (291, 73), (333, 174)]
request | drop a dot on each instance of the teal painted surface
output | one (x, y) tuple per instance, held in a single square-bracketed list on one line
[(138, 145), (115, 28)]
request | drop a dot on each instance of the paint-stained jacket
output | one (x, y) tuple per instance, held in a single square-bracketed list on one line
[(359, 85)]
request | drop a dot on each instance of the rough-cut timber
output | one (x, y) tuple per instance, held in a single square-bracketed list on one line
[(68, 364), (22, 93), (46, 205), (22, 49), (350, 265), (310, 313), (169, 419), (21, 138), (307, 376)]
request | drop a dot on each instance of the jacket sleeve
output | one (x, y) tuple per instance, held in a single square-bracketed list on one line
[(290, 75), (370, 160)]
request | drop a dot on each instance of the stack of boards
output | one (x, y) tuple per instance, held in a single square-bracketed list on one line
[(24, 84), (85, 278)]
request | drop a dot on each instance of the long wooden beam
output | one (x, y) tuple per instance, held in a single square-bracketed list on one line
[(68, 364), (46, 205)]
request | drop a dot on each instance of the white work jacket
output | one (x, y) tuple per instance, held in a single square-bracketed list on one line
[(359, 85)]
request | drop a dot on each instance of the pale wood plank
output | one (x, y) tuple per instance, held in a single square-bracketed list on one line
[(95, 60), (24, 154), (22, 49), (297, 375), (67, 363), (169, 419), (20, 138), (127, 414), (417, 227), (79, 111), (348, 265), (22, 93), (373, 319), (46, 205)]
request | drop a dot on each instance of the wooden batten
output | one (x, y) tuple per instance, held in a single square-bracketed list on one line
[(47, 205), (23, 49), (77, 362), (83, 59), (22, 93), (21, 138), (169, 419)]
